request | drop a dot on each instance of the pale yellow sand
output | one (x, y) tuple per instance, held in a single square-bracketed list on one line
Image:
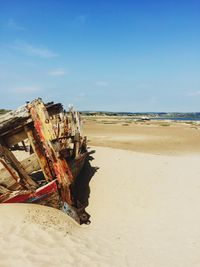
[(154, 137), (145, 211)]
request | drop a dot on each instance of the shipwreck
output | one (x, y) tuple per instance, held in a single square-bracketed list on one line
[(55, 150)]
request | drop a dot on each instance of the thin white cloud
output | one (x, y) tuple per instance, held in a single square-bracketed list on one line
[(101, 83), (81, 19), (58, 72), (12, 24), (26, 89), (196, 93), (32, 50)]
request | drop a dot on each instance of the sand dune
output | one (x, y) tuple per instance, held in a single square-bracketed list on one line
[(144, 211)]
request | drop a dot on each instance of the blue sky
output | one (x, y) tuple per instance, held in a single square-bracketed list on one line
[(101, 55)]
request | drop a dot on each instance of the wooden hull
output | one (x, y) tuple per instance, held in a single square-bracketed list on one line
[(49, 194), (56, 150), (42, 194)]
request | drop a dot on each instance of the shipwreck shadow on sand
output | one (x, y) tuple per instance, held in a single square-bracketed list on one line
[(81, 189)]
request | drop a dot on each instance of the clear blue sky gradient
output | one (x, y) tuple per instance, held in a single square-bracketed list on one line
[(101, 55)]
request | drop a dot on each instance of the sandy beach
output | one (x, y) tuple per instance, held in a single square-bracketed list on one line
[(144, 204), (154, 137)]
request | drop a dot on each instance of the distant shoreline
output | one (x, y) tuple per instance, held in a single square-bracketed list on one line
[(189, 116), (177, 119), (174, 116)]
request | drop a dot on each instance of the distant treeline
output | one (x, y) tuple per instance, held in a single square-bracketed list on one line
[(146, 114), (105, 113), (3, 111)]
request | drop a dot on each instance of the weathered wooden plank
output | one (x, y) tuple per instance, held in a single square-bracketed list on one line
[(15, 138), (13, 119), (46, 134), (54, 109), (29, 164), (42, 160), (21, 112), (11, 172), (18, 118), (24, 177)]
